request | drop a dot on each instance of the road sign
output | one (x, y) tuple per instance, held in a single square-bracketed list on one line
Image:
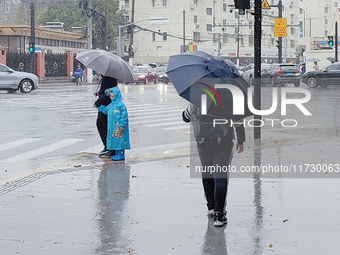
[(252, 6), (265, 5), (280, 27)]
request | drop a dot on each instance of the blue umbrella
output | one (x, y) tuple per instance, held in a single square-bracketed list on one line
[(196, 73)]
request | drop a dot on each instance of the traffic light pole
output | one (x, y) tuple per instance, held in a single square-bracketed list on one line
[(336, 42), (257, 66), (32, 44), (280, 38)]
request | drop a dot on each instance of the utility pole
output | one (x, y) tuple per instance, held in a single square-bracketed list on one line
[(131, 53), (89, 38), (106, 44), (219, 45), (336, 42), (257, 65), (89, 26), (280, 38), (33, 57), (238, 39), (183, 30)]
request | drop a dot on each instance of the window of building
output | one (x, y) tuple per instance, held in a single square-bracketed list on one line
[(209, 27), (165, 36), (292, 30), (197, 36), (153, 2), (292, 43), (196, 2), (224, 22), (335, 4), (153, 36), (224, 7), (209, 11), (225, 38), (165, 2), (236, 15), (326, 9), (195, 18), (326, 21), (126, 4)]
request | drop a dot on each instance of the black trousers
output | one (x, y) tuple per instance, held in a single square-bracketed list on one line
[(215, 184), (102, 126)]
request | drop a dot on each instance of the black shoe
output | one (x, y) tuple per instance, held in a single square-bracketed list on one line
[(220, 219), (108, 154), (103, 151)]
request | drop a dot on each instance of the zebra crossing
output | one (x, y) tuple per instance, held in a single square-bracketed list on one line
[(146, 115)]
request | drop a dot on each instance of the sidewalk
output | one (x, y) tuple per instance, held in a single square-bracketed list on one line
[(152, 206)]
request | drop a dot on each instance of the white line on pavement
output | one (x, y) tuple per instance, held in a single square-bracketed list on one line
[(17, 143), (42, 150)]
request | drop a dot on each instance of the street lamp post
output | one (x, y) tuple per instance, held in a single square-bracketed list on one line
[(120, 38)]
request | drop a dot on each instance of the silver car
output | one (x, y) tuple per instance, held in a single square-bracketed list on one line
[(12, 81), (248, 73)]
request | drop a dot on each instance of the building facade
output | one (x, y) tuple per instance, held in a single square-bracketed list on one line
[(204, 23)]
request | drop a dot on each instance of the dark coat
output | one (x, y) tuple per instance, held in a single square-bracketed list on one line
[(106, 83)]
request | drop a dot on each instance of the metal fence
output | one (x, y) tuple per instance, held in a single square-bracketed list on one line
[(19, 61), (55, 65)]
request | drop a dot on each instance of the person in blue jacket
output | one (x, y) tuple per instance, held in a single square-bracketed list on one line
[(118, 124)]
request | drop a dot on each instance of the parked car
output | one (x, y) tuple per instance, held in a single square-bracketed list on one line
[(329, 75), (248, 72), (162, 76), (144, 74), (12, 81), (281, 74)]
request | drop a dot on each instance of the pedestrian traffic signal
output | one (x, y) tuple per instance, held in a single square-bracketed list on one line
[(31, 47), (330, 41), (242, 5)]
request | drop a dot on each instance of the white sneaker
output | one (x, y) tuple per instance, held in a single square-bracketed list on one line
[(210, 213), (219, 219)]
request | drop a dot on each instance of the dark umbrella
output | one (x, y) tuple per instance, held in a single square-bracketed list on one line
[(196, 73), (106, 64)]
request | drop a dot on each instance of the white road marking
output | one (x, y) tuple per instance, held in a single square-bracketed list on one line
[(17, 143), (42, 150)]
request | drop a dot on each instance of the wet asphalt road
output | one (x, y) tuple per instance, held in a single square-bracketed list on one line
[(58, 197)]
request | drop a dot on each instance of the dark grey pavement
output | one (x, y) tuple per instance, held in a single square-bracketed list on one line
[(80, 204)]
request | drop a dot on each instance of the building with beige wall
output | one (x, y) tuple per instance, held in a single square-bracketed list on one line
[(206, 22)]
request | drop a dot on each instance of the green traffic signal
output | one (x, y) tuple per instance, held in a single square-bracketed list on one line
[(330, 41)]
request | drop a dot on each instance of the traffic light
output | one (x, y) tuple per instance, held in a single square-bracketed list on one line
[(31, 48), (242, 5), (330, 41), (277, 43)]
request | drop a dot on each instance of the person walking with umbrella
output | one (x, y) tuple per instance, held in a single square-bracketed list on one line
[(114, 69), (215, 148), (101, 123), (194, 76)]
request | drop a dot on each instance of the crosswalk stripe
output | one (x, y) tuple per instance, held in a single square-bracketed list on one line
[(17, 143), (153, 120), (42, 150), (177, 128), (150, 117), (156, 109), (164, 113), (166, 124)]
